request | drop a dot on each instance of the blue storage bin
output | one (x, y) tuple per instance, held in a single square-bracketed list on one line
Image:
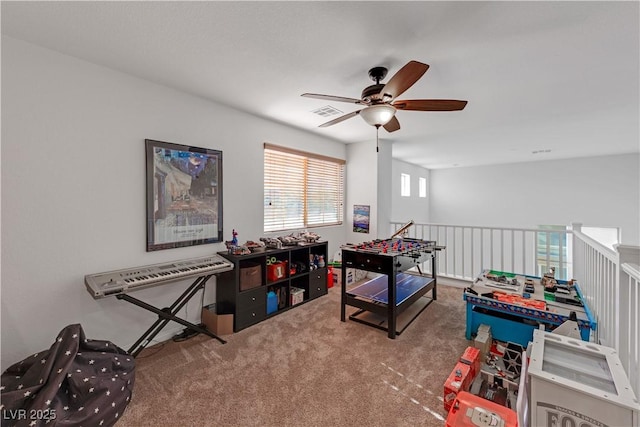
[(272, 302)]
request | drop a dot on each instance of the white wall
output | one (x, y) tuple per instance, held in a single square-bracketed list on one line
[(385, 189), (413, 207), (361, 188), (73, 191), (596, 191)]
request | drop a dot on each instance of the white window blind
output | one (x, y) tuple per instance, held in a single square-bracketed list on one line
[(422, 184), (301, 189)]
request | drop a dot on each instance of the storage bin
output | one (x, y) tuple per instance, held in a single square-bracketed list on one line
[(329, 277), (472, 411), (576, 383), (272, 302), (276, 271), (297, 295), (250, 276)]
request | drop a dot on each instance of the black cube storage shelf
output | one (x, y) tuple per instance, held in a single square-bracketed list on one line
[(239, 293)]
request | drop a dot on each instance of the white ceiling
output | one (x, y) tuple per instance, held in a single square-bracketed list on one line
[(539, 76)]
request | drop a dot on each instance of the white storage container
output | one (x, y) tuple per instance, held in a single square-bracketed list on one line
[(577, 383)]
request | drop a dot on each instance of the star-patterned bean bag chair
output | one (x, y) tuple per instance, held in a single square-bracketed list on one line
[(76, 382)]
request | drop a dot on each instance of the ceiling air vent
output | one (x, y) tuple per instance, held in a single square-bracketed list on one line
[(327, 111)]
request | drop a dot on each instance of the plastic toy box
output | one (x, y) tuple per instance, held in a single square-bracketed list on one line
[(574, 382), (459, 380), (473, 411)]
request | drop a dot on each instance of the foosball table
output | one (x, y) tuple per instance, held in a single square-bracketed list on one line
[(399, 284)]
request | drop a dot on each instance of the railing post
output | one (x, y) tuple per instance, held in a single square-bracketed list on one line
[(576, 251), (629, 331), (628, 254), (576, 226)]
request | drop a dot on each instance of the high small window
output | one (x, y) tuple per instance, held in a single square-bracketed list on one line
[(405, 185), (422, 186), (301, 189)]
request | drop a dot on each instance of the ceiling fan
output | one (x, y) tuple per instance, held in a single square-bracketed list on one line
[(380, 101)]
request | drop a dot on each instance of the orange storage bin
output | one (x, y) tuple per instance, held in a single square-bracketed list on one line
[(473, 411)]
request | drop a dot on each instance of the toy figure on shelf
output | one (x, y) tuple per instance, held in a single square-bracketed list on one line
[(309, 236), (271, 242), (233, 248), (549, 281)]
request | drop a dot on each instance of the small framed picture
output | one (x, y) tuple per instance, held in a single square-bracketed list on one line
[(361, 216)]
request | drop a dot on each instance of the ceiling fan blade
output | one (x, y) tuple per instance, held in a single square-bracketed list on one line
[(429, 105), (340, 119), (403, 79), (333, 98), (393, 125)]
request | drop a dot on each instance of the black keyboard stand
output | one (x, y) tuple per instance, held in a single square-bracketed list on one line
[(168, 314)]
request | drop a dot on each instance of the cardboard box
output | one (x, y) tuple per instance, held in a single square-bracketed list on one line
[(297, 295), (483, 342), (459, 380), (484, 329), (337, 276), (219, 324), (250, 276)]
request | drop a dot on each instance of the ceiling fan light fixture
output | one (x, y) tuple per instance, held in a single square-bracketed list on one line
[(378, 115)]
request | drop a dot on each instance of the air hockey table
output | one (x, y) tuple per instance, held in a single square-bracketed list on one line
[(395, 289)]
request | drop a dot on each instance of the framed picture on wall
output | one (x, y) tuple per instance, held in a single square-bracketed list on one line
[(184, 195), (361, 215)]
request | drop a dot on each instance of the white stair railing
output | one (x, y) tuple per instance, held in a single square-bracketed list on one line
[(596, 268), (609, 278), (610, 281), (470, 249), (629, 349)]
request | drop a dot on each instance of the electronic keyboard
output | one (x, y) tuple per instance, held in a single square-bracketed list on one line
[(110, 283)]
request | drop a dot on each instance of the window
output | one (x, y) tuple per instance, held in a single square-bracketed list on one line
[(301, 189), (551, 250), (405, 185), (422, 186)]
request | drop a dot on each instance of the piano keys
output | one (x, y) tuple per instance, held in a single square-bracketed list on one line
[(101, 285)]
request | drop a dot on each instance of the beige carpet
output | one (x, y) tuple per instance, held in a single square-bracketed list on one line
[(304, 367)]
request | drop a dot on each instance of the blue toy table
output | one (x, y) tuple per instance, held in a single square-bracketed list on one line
[(512, 322)]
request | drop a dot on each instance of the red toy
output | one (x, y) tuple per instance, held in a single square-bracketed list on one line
[(471, 357), (459, 380), (473, 411)]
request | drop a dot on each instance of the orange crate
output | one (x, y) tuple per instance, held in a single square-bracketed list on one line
[(473, 411)]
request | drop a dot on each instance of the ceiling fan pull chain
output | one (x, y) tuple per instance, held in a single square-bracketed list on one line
[(377, 129)]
